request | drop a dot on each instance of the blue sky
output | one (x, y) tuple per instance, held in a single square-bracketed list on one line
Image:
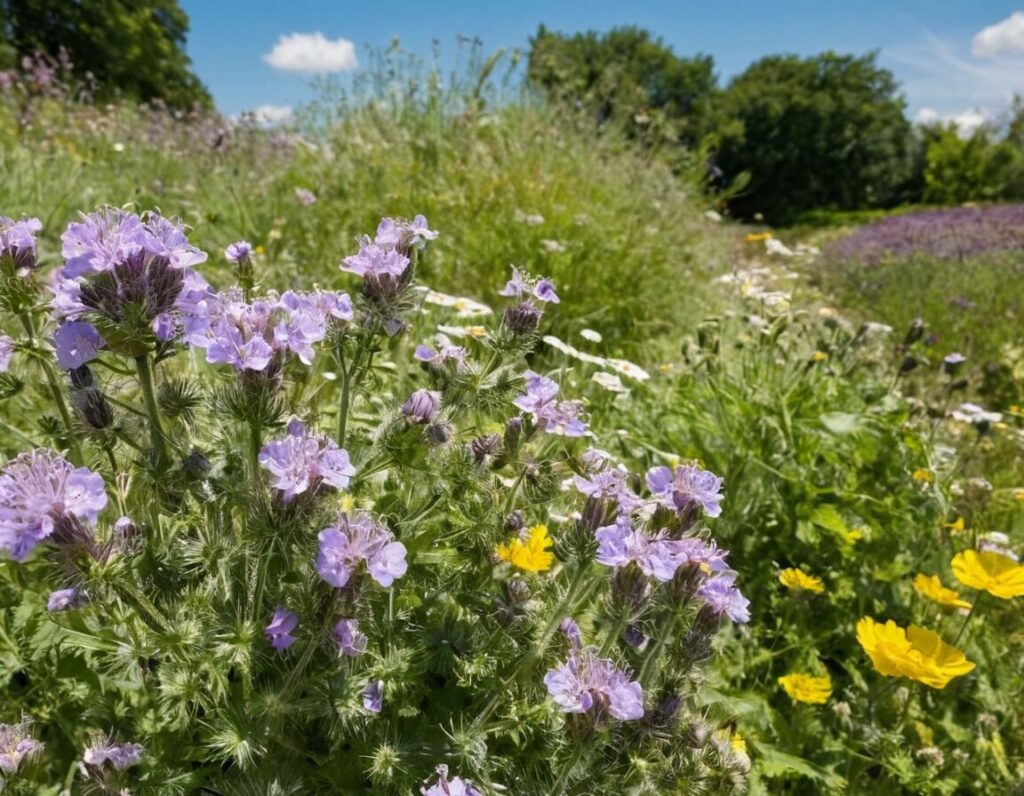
[(933, 46)]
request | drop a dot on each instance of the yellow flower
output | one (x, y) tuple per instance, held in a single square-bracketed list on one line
[(930, 587), (819, 356), (531, 555), (347, 503), (1018, 494), (807, 688), (956, 526), (915, 653), (924, 476), (754, 237), (738, 743), (993, 572), (798, 580)]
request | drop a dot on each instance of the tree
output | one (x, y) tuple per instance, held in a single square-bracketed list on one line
[(624, 75), (821, 132), (129, 48)]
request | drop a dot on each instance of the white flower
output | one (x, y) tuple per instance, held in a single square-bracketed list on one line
[(465, 307), (591, 335), (711, 215), (974, 414), (552, 246), (572, 351), (775, 246), (463, 331), (610, 382), (627, 368), (871, 328)]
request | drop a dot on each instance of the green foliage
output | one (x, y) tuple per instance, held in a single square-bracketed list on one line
[(820, 132), (977, 168), (129, 49)]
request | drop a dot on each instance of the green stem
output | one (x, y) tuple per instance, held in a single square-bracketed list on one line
[(650, 659), (156, 429), (570, 764), (970, 613), (613, 633), (55, 390), (255, 444), (343, 405)]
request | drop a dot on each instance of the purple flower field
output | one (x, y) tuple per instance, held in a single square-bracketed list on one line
[(949, 233)]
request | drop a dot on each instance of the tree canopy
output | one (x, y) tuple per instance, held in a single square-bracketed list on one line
[(128, 48)]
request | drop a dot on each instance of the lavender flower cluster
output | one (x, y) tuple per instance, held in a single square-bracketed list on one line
[(949, 233)]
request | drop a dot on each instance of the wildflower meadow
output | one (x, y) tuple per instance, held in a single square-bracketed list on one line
[(411, 448)]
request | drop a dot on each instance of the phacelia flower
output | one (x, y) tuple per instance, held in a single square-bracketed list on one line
[(555, 417), (915, 653), (798, 580), (75, 343), (239, 251), (62, 600), (444, 351), (807, 688), (301, 462), (41, 492), (350, 640), (16, 745), (656, 555), (721, 595), (989, 571), (18, 240), (373, 696), (422, 406), (456, 786), (571, 630), (6, 350), (529, 553), (280, 628), (931, 588), (120, 756), (373, 260), (686, 488), (587, 683), (521, 284), (343, 547), (305, 196)]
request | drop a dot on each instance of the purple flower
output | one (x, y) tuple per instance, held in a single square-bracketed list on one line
[(6, 350), (419, 229), (120, 756), (305, 196), (351, 641), (956, 358), (228, 346), (686, 488), (517, 285), (345, 545), (376, 261), (39, 492), (62, 600), (586, 682), (422, 406), (540, 391), (75, 343), (572, 632), (609, 483), (18, 239), (444, 352), (166, 238), (16, 745), (397, 234), (562, 417), (456, 786), (239, 251), (722, 596), (301, 462), (620, 544), (100, 241), (545, 291), (280, 628), (373, 696)]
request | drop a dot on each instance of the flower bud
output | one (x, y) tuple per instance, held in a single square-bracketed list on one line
[(908, 364), (485, 448), (438, 433), (81, 377), (421, 406), (514, 522), (522, 319), (513, 431), (93, 408), (915, 332), (518, 591), (195, 465)]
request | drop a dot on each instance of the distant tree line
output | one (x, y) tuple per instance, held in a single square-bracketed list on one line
[(786, 136), (121, 48)]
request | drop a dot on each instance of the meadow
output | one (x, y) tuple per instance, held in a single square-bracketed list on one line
[(664, 510)]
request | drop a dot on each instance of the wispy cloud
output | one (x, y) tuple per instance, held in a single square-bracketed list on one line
[(1006, 36), (966, 121), (936, 73), (312, 53)]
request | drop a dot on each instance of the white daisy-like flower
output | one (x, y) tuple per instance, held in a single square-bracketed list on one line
[(591, 335), (610, 382)]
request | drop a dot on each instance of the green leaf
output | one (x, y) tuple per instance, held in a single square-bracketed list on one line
[(773, 762), (842, 422)]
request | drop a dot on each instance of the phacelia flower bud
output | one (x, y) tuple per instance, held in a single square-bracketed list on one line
[(422, 406)]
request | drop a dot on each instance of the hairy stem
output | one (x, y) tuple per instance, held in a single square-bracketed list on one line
[(56, 391), (156, 429)]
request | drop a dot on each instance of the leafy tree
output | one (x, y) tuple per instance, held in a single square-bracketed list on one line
[(980, 167), (628, 76), (821, 132), (129, 48)]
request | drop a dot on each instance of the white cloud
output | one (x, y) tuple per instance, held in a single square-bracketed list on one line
[(312, 52), (966, 121), (272, 114), (1003, 37)]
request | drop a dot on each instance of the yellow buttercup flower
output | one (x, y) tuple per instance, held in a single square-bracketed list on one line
[(956, 526), (924, 476), (754, 237), (989, 571), (738, 743), (807, 688), (930, 587), (915, 653), (798, 580), (532, 554), (1018, 494)]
